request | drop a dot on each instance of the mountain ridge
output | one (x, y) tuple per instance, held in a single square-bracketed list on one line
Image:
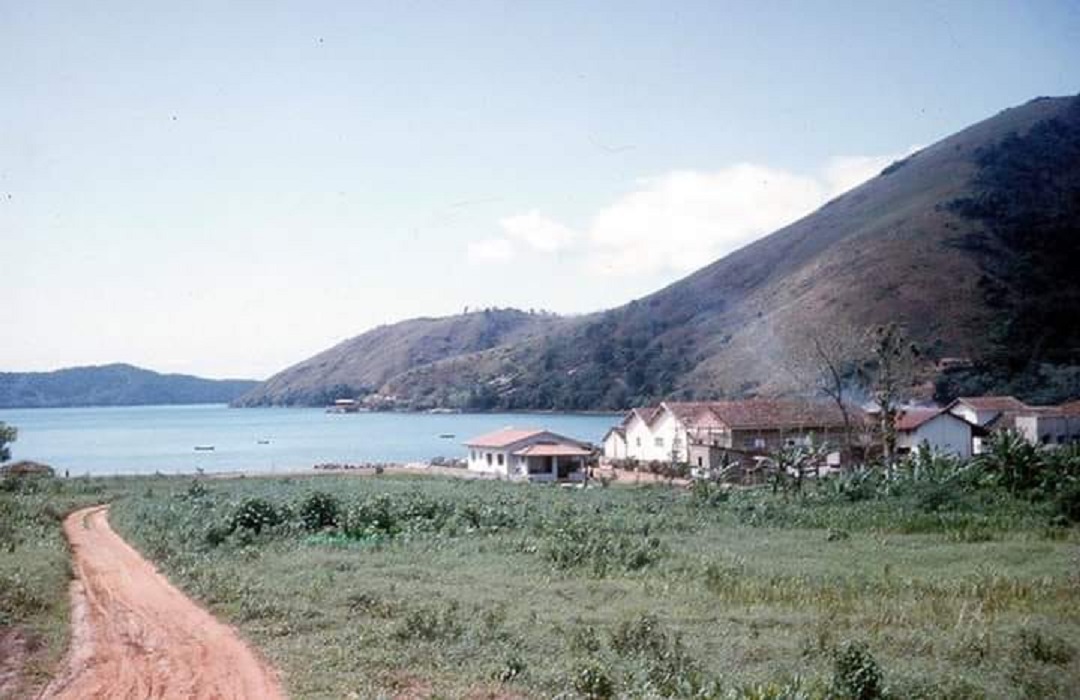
[(901, 247)]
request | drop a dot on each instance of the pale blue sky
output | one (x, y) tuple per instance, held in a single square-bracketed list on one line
[(226, 190)]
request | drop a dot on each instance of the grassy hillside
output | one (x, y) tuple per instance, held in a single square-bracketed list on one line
[(113, 385), (970, 243)]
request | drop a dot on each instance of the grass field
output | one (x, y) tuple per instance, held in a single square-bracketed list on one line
[(418, 587)]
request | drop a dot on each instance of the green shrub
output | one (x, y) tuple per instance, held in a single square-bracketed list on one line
[(511, 668), (592, 681), (856, 674), (431, 624), (254, 514), (581, 546), (1045, 648), (319, 511)]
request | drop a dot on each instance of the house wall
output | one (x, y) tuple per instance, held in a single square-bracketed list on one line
[(485, 460), (615, 446), (981, 418), (658, 442), (761, 441), (1049, 430), (944, 433)]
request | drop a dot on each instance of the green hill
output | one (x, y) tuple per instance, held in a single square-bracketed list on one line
[(112, 385)]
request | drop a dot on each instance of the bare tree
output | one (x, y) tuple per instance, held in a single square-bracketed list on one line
[(892, 375), (830, 361)]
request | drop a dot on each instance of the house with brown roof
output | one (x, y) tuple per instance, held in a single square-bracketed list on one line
[(982, 410), (529, 454), (938, 428), (1040, 425), (703, 433)]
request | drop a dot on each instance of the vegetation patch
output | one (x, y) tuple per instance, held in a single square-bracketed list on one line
[(931, 578)]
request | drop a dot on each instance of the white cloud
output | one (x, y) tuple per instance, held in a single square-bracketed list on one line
[(685, 219), (490, 250), (538, 232), (843, 173)]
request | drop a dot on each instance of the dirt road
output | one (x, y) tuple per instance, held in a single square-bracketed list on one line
[(136, 636)]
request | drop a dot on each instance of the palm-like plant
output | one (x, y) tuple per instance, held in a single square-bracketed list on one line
[(1012, 461)]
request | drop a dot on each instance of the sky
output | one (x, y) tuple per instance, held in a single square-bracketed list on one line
[(225, 189)]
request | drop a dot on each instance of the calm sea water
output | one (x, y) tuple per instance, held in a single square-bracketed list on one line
[(146, 439)]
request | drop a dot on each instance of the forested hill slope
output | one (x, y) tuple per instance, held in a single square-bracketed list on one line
[(113, 385), (971, 244), (363, 364)]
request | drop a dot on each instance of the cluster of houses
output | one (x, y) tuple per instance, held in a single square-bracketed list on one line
[(708, 434)]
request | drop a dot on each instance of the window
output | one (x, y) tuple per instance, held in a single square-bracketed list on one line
[(472, 455), (488, 455), (500, 459), (757, 443), (699, 462), (638, 442), (659, 442)]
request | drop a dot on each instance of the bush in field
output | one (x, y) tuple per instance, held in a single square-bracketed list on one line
[(856, 674), (667, 667), (254, 514), (1045, 648), (581, 546), (708, 494), (196, 490), (592, 681), (319, 511), (432, 624)]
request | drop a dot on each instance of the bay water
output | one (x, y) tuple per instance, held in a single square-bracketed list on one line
[(149, 439)]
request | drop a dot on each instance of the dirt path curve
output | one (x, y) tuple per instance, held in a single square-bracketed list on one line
[(136, 636)]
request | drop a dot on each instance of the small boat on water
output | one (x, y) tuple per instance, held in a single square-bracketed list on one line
[(447, 436), (264, 442), (204, 448)]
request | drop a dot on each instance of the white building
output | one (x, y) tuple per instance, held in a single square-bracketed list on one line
[(984, 410), (529, 454), (614, 444), (668, 432), (1049, 427), (943, 431)]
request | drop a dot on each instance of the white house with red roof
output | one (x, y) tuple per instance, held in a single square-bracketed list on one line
[(529, 454), (667, 432), (941, 429)]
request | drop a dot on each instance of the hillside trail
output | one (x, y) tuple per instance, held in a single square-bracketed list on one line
[(134, 635)]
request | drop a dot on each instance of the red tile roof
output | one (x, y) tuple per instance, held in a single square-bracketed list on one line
[(912, 418), (504, 437), (765, 414), (993, 403), (1071, 409)]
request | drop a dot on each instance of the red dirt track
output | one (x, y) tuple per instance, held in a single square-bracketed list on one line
[(136, 636)]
